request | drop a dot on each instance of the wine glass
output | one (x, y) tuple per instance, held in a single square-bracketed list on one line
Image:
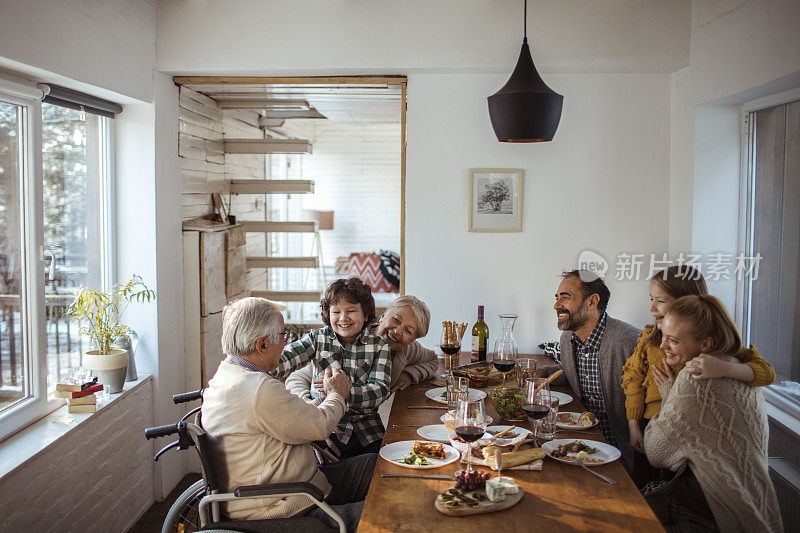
[(504, 358), (451, 348), (536, 402), (470, 424)]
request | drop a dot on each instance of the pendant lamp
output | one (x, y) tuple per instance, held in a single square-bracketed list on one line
[(525, 110)]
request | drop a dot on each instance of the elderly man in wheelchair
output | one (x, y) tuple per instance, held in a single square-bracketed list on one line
[(260, 433)]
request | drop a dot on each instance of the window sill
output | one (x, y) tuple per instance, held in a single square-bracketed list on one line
[(782, 411), (28, 443)]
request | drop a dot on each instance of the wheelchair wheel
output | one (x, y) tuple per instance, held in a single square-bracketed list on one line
[(183, 516)]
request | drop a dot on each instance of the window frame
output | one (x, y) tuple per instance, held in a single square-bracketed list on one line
[(747, 183), (34, 340), (34, 352)]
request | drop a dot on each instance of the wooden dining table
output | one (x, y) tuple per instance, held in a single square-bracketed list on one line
[(560, 497)]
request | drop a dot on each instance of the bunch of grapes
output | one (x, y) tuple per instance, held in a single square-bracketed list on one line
[(471, 480)]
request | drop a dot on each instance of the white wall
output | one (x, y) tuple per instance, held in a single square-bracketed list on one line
[(717, 165), (358, 36), (597, 185), (99, 46), (739, 51), (356, 173)]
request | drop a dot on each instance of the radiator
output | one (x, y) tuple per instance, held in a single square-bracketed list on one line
[(786, 480)]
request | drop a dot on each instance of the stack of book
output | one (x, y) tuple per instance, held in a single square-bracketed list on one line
[(82, 397)]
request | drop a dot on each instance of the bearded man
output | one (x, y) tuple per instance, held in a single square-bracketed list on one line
[(594, 348)]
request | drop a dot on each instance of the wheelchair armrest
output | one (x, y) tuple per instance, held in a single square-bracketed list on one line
[(251, 491)]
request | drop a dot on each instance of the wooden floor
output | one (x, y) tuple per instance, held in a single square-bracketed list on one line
[(153, 519)]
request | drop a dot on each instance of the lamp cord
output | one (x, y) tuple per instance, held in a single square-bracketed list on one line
[(525, 23)]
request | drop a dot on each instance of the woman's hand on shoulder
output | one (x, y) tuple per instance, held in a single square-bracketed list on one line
[(706, 366)]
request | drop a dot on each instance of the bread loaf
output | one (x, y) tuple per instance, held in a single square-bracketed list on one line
[(510, 459)]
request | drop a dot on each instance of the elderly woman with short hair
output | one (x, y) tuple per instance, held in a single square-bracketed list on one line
[(406, 319), (261, 433)]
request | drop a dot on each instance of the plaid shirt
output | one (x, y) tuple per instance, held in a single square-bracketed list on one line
[(586, 353), (366, 361)]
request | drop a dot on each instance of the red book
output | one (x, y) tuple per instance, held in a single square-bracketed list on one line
[(87, 391)]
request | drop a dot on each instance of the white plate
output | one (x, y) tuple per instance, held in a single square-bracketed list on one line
[(437, 432), (518, 430), (563, 398), (606, 452), (438, 394), (449, 415), (397, 450), (573, 423)]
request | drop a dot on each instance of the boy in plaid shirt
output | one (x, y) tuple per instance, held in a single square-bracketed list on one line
[(347, 342)]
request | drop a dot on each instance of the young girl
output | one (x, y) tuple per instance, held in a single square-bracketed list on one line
[(348, 343), (712, 432), (642, 399)]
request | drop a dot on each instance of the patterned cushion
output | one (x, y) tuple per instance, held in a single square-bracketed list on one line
[(367, 266), (552, 350), (390, 268)]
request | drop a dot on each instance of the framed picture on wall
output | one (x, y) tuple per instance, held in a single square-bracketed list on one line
[(495, 200)]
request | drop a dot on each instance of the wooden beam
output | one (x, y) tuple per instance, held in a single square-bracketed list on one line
[(263, 101), (267, 226), (282, 262), (272, 186), (267, 146), (207, 187), (289, 296), (260, 80), (289, 113)]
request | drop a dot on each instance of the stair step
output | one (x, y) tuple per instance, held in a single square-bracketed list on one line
[(267, 146), (279, 227), (272, 186), (282, 262), (289, 296)]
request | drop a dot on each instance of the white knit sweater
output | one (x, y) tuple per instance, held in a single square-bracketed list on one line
[(260, 434), (720, 427)]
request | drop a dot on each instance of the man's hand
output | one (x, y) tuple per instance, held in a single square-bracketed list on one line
[(337, 381), (402, 382), (664, 380), (636, 436)]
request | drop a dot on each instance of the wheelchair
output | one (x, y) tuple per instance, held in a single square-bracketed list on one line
[(197, 508)]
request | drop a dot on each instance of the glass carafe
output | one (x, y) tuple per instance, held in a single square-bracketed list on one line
[(507, 345)]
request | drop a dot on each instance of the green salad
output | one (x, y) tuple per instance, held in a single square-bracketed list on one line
[(508, 403), (414, 459)]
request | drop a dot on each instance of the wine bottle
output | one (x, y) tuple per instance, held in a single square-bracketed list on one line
[(480, 338)]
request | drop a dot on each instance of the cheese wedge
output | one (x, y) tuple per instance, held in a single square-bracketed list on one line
[(495, 490)]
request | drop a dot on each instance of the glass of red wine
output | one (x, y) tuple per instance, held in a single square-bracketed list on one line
[(536, 401), (504, 358), (451, 351), (470, 424)]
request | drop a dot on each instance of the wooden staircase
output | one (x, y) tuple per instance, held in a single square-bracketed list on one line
[(293, 186)]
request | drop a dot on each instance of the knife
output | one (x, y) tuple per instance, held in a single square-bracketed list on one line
[(423, 476), (427, 407)]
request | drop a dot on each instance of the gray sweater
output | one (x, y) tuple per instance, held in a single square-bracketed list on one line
[(619, 341)]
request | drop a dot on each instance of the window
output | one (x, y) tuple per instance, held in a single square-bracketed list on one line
[(55, 234), (772, 300)]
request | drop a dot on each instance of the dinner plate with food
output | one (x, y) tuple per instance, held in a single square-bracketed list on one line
[(419, 454), (587, 452), (440, 395), (568, 420)]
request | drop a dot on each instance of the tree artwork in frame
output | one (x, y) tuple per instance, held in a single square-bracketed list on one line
[(495, 200)]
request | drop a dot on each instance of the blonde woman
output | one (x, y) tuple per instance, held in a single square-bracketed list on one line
[(642, 399), (714, 429)]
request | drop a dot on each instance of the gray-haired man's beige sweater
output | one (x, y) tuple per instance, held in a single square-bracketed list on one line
[(261, 432), (718, 426)]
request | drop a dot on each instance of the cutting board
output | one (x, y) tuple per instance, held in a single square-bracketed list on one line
[(485, 506)]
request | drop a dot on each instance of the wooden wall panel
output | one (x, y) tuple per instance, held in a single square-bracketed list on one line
[(212, 272)]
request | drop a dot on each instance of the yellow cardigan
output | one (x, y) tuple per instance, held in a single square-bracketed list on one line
[(642, 399)]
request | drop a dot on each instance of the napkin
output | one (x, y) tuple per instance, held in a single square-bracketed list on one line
[(534, 465)]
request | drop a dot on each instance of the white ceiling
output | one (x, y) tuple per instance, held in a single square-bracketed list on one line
[(361, 103)]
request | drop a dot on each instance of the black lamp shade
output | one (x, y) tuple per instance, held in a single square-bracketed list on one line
[(525, 109)]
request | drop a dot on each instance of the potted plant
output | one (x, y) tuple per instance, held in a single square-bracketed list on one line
[(98, 314)]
